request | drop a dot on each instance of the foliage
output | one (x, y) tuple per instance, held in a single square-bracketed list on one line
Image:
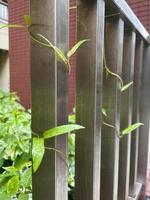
[(38, 150), (123, 132), (38, 147), (71, 147), (15, 147), (123, 87), (131, 128), (71, 158), (59, 130), (43, 41), (16, 178)]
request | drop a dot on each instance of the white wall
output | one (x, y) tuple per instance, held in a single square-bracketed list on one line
[(4, 40), (4, 71)]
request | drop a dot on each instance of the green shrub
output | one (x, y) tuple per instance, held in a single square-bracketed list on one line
[(15, 148)]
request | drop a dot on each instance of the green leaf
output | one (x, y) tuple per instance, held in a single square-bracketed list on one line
[(11, 26), (7, 175), (23, 197), (125, 87), (4, 196), (104, 112), (72, 119), (26, 178), (21, 160), (38, 150), (60, 130), (59, 53), (10, 169), (72, 51), (13, 185), (28, 20), (131, 128)]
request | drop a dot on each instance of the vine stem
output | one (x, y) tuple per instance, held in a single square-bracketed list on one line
[(113, 127), (49, 45), (112, 73), (33, 133), (61, 154)]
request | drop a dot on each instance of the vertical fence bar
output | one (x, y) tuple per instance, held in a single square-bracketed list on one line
[(49, 95), (89, 89), (135, 116), (126, 115), (111, 101), (62, 42), (144, 116)]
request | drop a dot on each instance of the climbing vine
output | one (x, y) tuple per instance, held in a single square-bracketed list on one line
[(38, 146)]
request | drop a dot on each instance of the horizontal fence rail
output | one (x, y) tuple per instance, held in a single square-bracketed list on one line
[(121, 7), (107, 167)]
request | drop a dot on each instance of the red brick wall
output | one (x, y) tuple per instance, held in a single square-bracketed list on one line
[(20, 49), (19, 52), (19, 46), (142, 9)]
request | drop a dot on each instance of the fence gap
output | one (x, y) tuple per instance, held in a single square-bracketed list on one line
[(135, 116), (126, 115), (111, 101), (49, 95), (88, 103)]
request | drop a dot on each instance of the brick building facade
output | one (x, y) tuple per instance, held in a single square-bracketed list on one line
[(20, 49), (19, 53)]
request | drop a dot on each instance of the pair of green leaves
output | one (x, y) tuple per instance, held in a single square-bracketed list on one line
[(38, 148), (61, 57), (124, 132)]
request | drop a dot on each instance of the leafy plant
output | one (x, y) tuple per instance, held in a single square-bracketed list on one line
[(38, 147), (15, 148), (42, 40), (123, 87), (15, 177), (125, 131), (71, 156)]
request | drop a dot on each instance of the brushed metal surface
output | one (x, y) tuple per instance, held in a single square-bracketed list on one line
[(126, 114), (111, 101), (144, 117), (136, 115), (89, 98), (49, 95)]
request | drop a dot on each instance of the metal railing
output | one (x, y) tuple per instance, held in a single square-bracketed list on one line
[(106, 167)]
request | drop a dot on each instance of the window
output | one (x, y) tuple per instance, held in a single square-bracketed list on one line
[(3, 10)]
